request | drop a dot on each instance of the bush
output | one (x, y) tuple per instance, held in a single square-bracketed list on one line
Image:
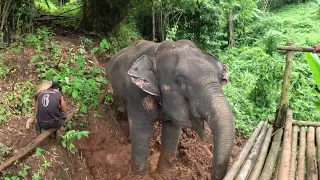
[(255, 86)]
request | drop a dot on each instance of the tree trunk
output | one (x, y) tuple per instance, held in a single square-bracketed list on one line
[(161, 23), (153, 23), (84, 14), (230, 25)]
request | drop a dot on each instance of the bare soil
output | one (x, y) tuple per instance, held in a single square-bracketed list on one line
[(105, 154)]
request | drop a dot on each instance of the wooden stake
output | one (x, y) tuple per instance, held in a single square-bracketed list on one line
[(312, 173), (293, 159), (286, 151), (34, 143), (243, 154), (248, 165), (255, 173), (306, 123), (302, 154), (272, 156), (318, 144), (282, 111), (295, 48)]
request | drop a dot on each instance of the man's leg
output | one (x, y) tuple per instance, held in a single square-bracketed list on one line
[(37, 127)]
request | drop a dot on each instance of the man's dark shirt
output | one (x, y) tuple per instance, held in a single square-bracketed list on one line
[(49, 106)]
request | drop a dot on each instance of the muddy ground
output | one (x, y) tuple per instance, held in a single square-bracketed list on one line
[(105, 154)]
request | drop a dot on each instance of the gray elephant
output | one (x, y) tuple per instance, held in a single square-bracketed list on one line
[(177, 83)]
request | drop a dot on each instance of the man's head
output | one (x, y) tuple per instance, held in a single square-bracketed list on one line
[(55, 85)]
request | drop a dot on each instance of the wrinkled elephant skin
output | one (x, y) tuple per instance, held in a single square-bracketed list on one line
[(177, 83)]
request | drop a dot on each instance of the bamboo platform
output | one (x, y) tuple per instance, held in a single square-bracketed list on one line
[(283, 149), (285, 154)]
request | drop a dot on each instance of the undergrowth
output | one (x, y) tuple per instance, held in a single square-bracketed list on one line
[(256, 68)]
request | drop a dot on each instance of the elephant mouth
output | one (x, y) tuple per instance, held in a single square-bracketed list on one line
[(198, 127)]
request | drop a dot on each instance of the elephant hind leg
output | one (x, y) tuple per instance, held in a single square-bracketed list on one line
[(169, 144)]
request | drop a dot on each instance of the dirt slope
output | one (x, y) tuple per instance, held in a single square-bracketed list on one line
[(105, 154)]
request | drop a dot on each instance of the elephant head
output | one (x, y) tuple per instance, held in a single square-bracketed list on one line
[(188, 82)]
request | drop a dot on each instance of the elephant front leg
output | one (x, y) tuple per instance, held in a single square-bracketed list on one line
[(140, 137), (169, 144)]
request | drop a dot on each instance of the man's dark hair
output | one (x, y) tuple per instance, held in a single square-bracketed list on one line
[(55, 85)]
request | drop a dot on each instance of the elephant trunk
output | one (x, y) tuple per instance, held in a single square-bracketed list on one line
[(221, 122)]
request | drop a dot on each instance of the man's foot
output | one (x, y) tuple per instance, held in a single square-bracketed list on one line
[(58, 137), (52, 135)]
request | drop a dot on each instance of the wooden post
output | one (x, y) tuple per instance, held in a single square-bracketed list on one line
[(293, 159), (286, 148), (282, 111), (255, 173), (272, 156), (318, 144), (312, 173), (252, 157), (302, 154)]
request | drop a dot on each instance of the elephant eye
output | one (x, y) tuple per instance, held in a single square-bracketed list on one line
[(180, 81)]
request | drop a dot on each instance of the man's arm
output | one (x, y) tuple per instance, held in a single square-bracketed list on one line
[(63, 105), (316, 48)]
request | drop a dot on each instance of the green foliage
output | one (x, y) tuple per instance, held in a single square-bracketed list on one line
[(256, 68), (40, 39), (67, 139), (4, 150), (82, 82), (204, 24), (38, 151), (314, 64), (253, 92), (4, 70), (18, 101), (21, 174)]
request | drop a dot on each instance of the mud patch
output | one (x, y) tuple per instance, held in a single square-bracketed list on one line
[(107, 151)]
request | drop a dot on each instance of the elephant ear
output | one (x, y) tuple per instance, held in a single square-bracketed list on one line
[(142, 73), (222, 68)]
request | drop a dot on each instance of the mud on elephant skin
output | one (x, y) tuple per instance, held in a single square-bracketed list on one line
[(177, 83)]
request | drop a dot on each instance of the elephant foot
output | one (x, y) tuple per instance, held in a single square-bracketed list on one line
[(137, 171), (166, 161)]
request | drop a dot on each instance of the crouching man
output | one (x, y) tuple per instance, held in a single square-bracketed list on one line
[(50, 110)]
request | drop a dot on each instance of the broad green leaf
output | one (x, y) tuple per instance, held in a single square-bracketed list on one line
[(75, 94), (34, 58), (83, 108), (80, 61), (314, 64), (55, 78)]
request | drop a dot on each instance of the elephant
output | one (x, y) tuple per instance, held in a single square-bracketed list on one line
[(177, 83)]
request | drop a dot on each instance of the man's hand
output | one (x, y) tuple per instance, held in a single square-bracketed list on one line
[(29, 122), (316, 48)]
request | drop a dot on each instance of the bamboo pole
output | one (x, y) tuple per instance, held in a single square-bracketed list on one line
[(272, 156), (262, 156), (243, 154), (295, 48), (318, 144), (286, 148), (282, 111), (312, 173), (276, 171), (34, 143), (248, 165), (302, 154), (293, 159), (306, 123)]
